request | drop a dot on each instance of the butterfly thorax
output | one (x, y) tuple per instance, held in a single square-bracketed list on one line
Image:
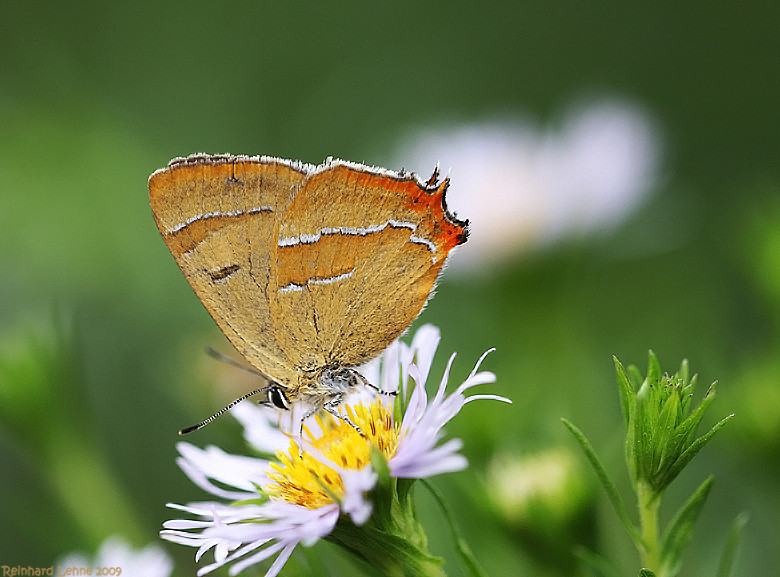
[(325, 387)]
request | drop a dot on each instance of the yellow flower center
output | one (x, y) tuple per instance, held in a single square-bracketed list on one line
[(300, 478)]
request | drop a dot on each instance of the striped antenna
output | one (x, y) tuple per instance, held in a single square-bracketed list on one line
[(218, 413)]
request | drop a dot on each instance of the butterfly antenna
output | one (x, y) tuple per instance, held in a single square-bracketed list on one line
[(226, 359), (218, 413)]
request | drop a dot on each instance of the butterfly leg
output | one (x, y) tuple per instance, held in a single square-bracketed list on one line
[(300, 441), (332, 407), (308, 414), (371, 385)]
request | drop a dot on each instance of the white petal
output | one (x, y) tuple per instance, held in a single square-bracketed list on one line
[(279, 562), (261, 427), (356, 484), (269, 551), (424, 345), (240, 472)]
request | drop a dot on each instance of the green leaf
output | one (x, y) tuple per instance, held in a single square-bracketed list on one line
[(643, 438), (667, 436), (684, 371), (635, 376), (404, 488), (643, 441), (692, 450), (678, 442), (653, 369), (680, 529), (688, 390), (627, 394), (729, 554), (596, 563), (646, 573), (606, 482), (384, 491), (692, 421), (633, 450)]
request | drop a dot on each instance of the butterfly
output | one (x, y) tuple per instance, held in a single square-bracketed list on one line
[(308, 270)]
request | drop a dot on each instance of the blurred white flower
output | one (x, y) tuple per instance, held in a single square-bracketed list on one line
[(543, 488), (115, 553), (325, 474), (522, 187)]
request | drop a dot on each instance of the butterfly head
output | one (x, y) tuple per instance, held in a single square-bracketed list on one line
[(277, 398)]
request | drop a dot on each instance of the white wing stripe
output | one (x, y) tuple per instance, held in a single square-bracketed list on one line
[(361, 231), (330, 280), (228, 213)]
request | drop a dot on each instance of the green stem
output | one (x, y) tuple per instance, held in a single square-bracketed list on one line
[(649, 503), (467, 558), (385, 554)]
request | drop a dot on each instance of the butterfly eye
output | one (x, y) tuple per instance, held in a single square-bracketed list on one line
[(277, 398)]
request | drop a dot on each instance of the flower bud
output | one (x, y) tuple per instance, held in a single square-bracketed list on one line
[(661, 427)]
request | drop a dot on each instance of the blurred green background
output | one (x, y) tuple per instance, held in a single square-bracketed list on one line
[(101, 338)]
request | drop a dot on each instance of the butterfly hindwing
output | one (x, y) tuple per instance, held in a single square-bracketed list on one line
[(358, 256)]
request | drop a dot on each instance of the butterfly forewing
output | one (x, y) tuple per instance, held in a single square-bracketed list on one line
[(219, 217)]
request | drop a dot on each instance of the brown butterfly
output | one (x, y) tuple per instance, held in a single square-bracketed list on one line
[(310, 271)]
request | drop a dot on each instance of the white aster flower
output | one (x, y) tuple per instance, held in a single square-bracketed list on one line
[(325, 478), (524, 186), (116, 557)]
